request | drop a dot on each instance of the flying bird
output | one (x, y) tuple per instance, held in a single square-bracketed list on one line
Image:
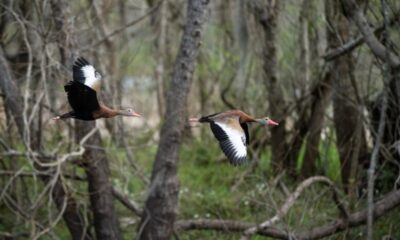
[(231, 130), (82, 95)]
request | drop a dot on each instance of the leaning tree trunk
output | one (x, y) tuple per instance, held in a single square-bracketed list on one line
[(161, 205)]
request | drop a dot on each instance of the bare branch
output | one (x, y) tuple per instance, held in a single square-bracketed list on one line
[(121, 29), (6, 235), (385, 205), (33, 174), (128, 203), (77, 153), (378, 142), (14, 153), (378, 49), (353, 44), (292, 199), (226, 226)]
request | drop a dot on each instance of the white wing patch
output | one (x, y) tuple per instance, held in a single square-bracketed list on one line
[(90, 76), (237, 139)]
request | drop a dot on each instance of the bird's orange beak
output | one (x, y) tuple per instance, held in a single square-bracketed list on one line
[(271, 122), (135, 114)]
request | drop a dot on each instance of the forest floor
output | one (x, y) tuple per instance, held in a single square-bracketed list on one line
[(209, 189)]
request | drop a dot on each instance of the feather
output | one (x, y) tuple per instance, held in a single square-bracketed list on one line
[(232, 142), (81, 97), (86, 74)]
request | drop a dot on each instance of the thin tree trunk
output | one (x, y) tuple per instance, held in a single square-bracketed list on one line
[(304, 58), (159, 22), (242, 42), (347, 113), (266, 14), (96, 166), (321, 97), (307, 70), (110, 87), (161, 205)]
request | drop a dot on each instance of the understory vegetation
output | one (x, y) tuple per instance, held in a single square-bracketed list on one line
[(327, 71)]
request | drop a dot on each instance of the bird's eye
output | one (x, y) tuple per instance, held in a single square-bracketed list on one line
[(129, 110)]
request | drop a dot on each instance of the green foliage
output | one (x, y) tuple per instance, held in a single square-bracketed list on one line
[(207, 191), (328, 163)]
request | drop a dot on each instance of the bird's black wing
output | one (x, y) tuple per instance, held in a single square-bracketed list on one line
[(82, 98), (208, 118)]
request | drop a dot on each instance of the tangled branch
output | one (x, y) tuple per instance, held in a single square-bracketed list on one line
[(342, 223)]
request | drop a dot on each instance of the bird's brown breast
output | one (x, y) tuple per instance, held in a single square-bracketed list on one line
[(104, 112)]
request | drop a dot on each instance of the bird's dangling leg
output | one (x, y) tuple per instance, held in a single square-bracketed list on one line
[(65, 115), (193, 120)]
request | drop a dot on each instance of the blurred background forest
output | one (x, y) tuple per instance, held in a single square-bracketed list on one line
[(327, 71)]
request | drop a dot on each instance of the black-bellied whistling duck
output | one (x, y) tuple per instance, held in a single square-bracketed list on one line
[(230, 129), (82, 95)]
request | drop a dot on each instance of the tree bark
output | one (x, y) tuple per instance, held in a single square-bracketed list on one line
[(96, 166), (160, 210), (160, 26), (266, 14), (321, 96), (312, 108), (346, 105)]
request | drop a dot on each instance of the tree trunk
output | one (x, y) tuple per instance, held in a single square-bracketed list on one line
[(309, 123), (161, 205), (267, 16), (346, 105), (241, 41), (321, 96), (159, 23), (99, 187)]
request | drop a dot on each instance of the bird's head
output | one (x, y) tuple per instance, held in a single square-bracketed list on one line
[(267, 121), (129, 113)]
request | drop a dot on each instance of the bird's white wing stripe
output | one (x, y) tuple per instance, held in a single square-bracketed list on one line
[(90, 76), (236, 138)]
